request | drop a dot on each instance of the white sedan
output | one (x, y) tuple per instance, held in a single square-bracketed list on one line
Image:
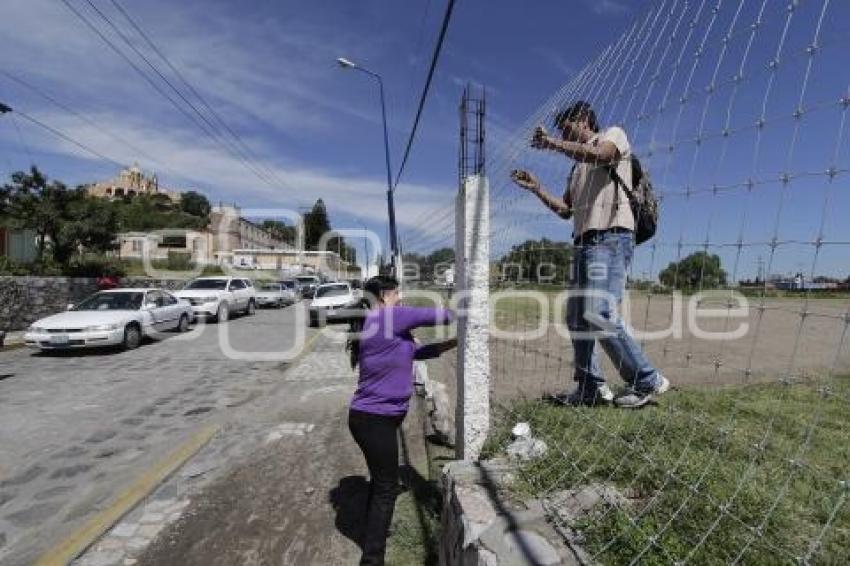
[(118, 317), (334, 302)]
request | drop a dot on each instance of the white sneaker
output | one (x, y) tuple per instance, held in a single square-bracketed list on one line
[(635, 399)]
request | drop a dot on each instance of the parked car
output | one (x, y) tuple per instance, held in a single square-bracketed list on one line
[(334, 302), (111, 318), (218, 297), (308, 284), (293, 286), (274, 294)]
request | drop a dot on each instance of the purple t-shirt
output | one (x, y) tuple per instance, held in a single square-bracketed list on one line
[(387, 351)]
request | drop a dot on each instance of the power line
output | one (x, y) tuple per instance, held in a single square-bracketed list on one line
[(238, 140), (434, 59), (73, 112), (213, 131), (66, 137), (204, 128)]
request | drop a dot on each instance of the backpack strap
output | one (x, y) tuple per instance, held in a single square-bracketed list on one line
[(618, 181)]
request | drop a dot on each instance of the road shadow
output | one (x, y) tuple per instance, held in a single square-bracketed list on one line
[(349, 499)]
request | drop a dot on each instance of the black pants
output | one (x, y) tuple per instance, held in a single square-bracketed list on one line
[(376, 435)]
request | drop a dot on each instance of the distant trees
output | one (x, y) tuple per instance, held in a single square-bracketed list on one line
[(280, 230), (145, 213), (699, 270), (316, 224), (195, 203), (65, 222), (428, 266), (537, 261)]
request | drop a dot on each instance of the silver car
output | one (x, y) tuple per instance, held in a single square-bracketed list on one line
[(118, 317), (274, 295)]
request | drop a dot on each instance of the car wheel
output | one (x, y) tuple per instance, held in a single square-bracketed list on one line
[(183, 325), (223, 313), (251, 309), (132, 337)]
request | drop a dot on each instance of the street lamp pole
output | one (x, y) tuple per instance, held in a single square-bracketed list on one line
[(346, 64), (366, 249)]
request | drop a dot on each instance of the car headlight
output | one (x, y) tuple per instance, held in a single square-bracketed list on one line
[(102, 327), (209, 299), (37, 329)]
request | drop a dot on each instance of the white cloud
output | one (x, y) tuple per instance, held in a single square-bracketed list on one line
[(193, 163)]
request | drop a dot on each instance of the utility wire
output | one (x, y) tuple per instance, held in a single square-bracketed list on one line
[(434, 59), (208, 127), (238, 140), (73, 112), (204, 128), (67, 138)]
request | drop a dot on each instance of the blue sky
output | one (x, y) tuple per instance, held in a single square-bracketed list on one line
[(268, 68)]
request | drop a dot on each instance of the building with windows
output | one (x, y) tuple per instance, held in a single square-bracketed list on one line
[(227, 232)]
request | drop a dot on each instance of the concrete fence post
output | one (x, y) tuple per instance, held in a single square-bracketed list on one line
[(472, 280)]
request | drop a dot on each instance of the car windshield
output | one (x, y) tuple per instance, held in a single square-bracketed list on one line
[(288, 284), (333, 291), (307, 279), (216, 284), (270, 287), (130, 301)]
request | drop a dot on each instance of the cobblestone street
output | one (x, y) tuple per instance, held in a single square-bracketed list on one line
[(76, 429)]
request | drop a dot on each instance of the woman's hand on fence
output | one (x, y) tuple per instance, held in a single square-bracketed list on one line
[(525, 180)]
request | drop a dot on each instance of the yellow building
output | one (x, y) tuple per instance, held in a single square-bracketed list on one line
[(129, 183)]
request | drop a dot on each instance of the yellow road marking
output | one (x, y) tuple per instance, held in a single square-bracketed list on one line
[(79, 541)]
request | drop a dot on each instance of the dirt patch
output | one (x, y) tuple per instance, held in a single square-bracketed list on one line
[(273, 508)]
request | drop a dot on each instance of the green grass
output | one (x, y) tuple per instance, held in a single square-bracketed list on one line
[(772, 455), (136, 268), (416, 527)]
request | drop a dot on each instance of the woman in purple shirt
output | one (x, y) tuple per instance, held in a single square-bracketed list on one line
[(384, 348)]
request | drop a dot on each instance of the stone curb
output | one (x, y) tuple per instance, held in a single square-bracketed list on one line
[(482, 528)]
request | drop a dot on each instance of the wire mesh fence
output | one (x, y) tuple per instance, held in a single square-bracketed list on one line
[(738, 110)]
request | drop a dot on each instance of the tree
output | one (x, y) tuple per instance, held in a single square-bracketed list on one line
[(144, 213), (316, 224), (195, 203), (699, 270), (36, 204), (91, 224), (279, 230), (537, 261), (430, 265), (65, 221)]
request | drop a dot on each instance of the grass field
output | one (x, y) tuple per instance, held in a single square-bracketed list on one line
[(756, 473)]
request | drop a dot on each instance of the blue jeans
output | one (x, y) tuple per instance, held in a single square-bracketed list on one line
[(599, 282)]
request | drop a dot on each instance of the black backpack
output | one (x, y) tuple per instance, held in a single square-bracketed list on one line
[(642, 199)]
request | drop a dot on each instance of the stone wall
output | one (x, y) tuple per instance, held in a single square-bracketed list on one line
[(482, 526), (23, 300)]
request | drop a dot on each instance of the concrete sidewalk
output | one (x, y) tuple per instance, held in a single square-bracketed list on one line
[(298, 497)]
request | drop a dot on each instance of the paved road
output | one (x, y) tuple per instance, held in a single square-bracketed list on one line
[(77, 428)]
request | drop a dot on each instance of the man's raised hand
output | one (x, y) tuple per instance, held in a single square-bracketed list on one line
[(540, 139), (525, 180)]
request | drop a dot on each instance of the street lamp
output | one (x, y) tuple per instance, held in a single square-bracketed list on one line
[(347, 64), (366, 249)]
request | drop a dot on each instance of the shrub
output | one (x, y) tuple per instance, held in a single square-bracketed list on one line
[(94, 267)]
